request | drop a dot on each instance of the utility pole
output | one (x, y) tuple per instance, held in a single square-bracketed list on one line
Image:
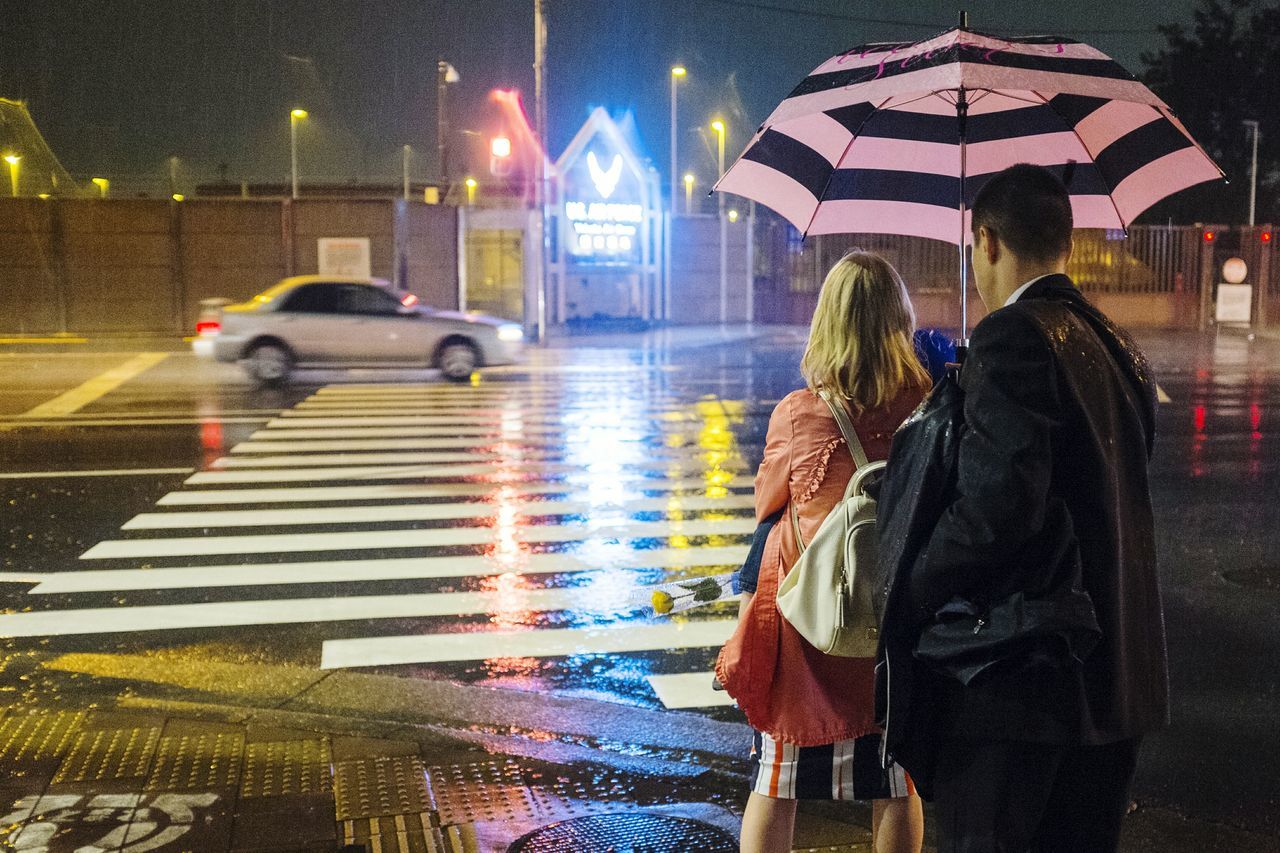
[(405, 165), (445, 74), (540, 189), (1253, 170)]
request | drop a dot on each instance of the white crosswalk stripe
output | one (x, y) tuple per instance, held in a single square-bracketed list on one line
[(512, 470), (418, 512), (381, 569), (436, 648), (377, 540), (556, 481), (621, 486)]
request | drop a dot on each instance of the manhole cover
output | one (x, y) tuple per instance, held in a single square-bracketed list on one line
[(1256, 577), (643, 833)]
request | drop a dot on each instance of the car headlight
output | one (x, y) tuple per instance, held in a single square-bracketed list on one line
[(510, 333)]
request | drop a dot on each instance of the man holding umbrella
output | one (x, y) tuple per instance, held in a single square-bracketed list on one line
[(1051, 512)]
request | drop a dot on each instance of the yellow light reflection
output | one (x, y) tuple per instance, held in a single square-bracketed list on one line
[(508, 552)]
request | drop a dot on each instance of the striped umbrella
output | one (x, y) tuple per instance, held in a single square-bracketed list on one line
[(896, 138)]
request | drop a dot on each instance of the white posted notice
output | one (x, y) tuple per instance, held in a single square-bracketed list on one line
[(344, 256)]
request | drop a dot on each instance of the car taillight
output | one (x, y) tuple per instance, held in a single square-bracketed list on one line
[(206, 328)]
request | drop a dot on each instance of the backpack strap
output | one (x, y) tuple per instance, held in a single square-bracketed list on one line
[(846, 429), (860, 461)]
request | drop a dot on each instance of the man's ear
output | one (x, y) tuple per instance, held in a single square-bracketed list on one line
[(986, 241)]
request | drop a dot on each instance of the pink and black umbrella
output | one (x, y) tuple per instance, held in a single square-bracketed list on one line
[(896, 138)]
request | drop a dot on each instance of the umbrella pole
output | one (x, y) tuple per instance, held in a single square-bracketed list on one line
[(962, 116)]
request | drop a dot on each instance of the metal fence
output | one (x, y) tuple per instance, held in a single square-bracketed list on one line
[(1149, 260)]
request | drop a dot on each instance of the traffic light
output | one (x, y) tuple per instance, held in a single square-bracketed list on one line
[(500, 157)]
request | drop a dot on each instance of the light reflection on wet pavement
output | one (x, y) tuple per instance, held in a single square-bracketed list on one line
[(600, 472)]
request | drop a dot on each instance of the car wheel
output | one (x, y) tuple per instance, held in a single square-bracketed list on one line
[(269, 364), (457, 361)]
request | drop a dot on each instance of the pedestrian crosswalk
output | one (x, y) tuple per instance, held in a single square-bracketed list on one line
[(514, 519)]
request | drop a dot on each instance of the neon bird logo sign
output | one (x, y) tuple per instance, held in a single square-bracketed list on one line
[(606, 181)]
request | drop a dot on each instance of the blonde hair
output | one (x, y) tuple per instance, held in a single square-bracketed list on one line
[(860, 342)]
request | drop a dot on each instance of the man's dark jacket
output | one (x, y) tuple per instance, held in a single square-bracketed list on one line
[(1058, 426)]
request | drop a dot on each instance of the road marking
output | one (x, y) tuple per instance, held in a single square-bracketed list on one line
[(397, 568), (467, 408), (523, 445), (326, 460), (344, 445), (109, 472), (514, 422), (514, 470), (22, 577), (426, 512), (226, 614), (84, 394), (621, 486), (69, 423), (374, 540), (437, 387), (443, 648), (458, 431), (688, 690), (300, 458), (50, 340)]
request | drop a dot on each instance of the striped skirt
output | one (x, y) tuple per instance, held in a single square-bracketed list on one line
[(845, 770)]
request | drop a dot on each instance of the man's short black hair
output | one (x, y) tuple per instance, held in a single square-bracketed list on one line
[(1028, 208)]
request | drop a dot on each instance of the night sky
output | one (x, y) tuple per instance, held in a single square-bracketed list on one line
[(119, 86)]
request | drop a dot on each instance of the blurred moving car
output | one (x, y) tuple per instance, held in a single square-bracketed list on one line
[(332, 321)]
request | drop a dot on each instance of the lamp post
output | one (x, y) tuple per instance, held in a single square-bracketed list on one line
[(677, 74), (13, 160), (295, 116), (445, 74), (688, 193), (718, 127), (103, 185), (404, 164), (1253, 170)]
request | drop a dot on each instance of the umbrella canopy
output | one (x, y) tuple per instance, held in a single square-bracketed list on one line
[(896, 138)]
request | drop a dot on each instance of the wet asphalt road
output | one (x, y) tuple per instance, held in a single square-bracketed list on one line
[(505, 533)]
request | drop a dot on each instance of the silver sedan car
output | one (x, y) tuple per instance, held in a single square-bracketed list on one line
[(331, 321)]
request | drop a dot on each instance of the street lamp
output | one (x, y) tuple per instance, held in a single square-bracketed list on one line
[(295, 116), (103, 185), (471, 191), (13, 160), (677, 74), (445, 74), (688, 193), (718, 127), (1253, 169)]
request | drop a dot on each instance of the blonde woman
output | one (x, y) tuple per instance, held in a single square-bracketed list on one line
[(813, 714)]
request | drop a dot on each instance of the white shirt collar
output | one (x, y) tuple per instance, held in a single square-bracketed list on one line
[(1013, 297)]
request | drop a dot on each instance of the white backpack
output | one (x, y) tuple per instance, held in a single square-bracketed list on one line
[(827, 595)]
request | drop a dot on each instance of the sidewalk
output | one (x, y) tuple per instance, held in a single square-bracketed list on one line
[(255, 758), (238, 758)]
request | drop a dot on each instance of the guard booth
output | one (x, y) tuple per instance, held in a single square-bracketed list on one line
[(604, 221)]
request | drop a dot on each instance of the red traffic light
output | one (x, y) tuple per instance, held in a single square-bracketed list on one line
[(1210, 236), (1265, 236)]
